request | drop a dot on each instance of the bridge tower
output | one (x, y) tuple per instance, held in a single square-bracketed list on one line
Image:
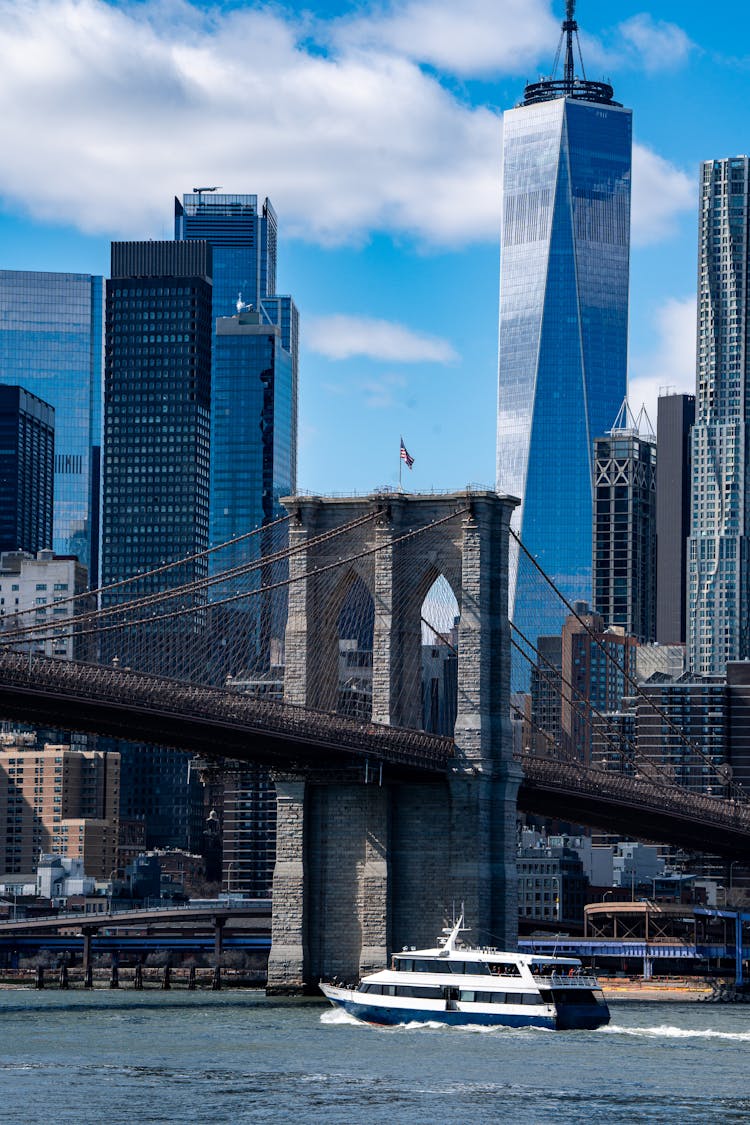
[(367, 862)]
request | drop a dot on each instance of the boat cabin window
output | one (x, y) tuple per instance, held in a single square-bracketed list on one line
[(476, 997), (548, 969), (504, 969), (411, 991), (468, 968), (434, 965)]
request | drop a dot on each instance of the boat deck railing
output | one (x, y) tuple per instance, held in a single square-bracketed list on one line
[(560, 980)]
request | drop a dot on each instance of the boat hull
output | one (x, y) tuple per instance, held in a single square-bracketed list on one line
[(392, 1017), (569, 1017)]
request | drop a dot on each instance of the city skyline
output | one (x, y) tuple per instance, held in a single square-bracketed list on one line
[(392, 232)]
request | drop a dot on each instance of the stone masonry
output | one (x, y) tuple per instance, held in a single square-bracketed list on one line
[(368, 863)]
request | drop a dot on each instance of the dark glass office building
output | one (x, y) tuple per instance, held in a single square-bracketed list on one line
[(27, 451), (563, 320), (52, 343), (156, 410), (674, 420), (254, 363)]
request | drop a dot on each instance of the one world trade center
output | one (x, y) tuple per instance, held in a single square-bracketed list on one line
[(563, 320)]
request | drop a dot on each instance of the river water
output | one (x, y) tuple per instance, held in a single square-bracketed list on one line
[(152, 1058)]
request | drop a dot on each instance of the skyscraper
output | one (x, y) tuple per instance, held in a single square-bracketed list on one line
[(674, 419), (157, 404), (254, 365), (563, 317), (624, 559), (52, 343), (27, 453), (719, 548)]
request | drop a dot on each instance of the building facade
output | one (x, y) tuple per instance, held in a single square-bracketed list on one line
[(41, 590), (624, 555), (544, 729), (249, 832), (27, 457), (52, 343), (719, 548), (696, 719), (254, 362), (597, 667), (253, 430), (674, 421), (563, 320), (157, 413), (59, 801)]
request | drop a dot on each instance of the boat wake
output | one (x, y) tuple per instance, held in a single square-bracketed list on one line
[(338, 1017), (665, 1031)]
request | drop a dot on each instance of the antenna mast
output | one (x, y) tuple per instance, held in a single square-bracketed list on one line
[(568, 86), (569, 28)]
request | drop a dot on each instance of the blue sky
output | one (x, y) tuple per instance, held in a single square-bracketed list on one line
[(376, 130)]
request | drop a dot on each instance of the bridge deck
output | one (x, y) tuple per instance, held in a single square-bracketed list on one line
[(207, 720)]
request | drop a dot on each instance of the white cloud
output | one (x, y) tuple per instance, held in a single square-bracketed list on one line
[(661, 193), (107, 112), (671, 362), (472, 38), (654, 44), (342, 337)]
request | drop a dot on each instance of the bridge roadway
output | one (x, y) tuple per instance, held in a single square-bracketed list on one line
[(635, 807), (214, 722), (98, 699)]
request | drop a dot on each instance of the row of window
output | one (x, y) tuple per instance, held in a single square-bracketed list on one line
[(470, 996), (475, 968)]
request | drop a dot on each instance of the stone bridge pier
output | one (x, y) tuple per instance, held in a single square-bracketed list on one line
[(368, 860)]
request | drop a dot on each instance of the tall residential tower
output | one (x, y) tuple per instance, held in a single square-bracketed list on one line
[(563, 316), (719, 547)]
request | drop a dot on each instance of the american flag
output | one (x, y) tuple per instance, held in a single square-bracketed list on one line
[(406, 456)]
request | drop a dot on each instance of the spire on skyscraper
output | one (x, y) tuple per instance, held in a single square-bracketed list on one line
[(569, 86)]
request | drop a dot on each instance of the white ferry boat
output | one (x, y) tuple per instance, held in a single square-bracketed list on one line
[(457, 985)]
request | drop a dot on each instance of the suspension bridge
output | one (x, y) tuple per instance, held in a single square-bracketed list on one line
[(302, 645)]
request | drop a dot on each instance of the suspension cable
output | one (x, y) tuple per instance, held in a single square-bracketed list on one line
[(733, 785), (187, 588), (245, 594)]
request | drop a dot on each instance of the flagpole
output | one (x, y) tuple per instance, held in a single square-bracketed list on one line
[(400, 465)]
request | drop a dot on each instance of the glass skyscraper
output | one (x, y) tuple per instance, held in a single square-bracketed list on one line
[(563, 320), (719, 547), (254, 365), (27, 450), (157, 409), (52, 343)]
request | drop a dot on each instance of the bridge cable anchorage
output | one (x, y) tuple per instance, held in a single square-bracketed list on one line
[(584, 710), (737, 791), (179, 591)]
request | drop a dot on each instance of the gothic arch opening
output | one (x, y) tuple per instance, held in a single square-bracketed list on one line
[(356, 621), (439, 666)]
